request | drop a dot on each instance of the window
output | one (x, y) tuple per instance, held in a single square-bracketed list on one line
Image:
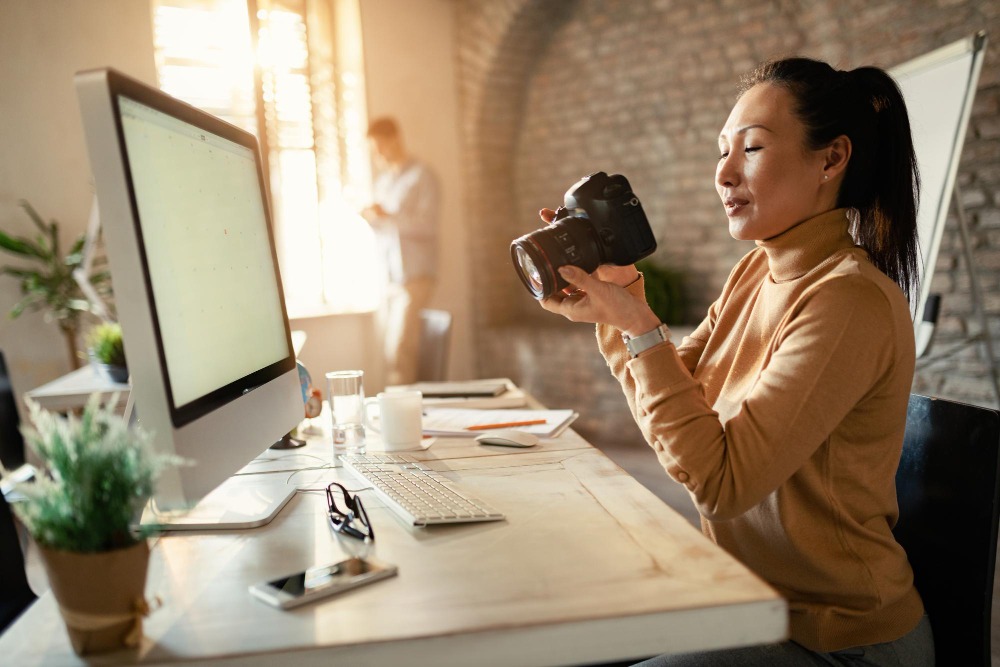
[(291, 72)]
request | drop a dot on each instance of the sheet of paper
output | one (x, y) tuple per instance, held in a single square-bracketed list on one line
[(460, 422)]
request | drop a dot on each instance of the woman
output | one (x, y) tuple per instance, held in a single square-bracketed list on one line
[(783, 413)]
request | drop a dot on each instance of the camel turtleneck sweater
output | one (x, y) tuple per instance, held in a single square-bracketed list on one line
[(783, 415)]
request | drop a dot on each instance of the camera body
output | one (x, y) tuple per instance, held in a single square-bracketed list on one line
[(601, 222)]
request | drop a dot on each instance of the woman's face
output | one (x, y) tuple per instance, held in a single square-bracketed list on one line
[(767, 179)]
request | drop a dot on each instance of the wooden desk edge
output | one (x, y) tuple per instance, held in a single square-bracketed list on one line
[(581, 642)]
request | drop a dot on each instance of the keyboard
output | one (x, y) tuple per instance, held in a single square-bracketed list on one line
[(419, 496)]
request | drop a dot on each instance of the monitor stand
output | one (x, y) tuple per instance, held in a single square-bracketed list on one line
[(288, 442), (241, 502)]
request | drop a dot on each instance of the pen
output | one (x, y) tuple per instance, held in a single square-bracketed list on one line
[(485, 427)]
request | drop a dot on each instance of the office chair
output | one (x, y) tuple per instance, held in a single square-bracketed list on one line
[(15, 593), (11, 442), (949, 503), (435, 341)]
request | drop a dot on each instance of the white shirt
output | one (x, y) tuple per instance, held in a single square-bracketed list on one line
[(408, 233)]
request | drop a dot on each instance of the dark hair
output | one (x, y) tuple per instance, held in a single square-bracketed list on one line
[(881, 181), (383, 127)]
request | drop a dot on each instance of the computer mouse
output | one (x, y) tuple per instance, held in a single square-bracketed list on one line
[(508, 438)]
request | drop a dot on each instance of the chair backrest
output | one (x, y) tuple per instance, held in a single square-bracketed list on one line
[(11, 441), (15, 593), (949, 504), (435, 342)]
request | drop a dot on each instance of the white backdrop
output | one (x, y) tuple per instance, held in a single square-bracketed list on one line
[(938, 88)]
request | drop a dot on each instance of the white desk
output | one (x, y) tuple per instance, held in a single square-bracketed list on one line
[(588, 566), (72, 390)]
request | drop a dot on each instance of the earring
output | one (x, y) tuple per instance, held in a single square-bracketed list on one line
[(826, 176)]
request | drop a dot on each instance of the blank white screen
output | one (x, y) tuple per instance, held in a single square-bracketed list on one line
[(208, 252), (938, 88), (935, 99)]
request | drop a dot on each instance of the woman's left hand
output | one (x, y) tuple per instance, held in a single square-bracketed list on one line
[(600, 302)]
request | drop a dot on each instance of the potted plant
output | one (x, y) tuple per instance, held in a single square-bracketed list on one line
[(83, 510), (664, 291), (105, 345), (47, 283)]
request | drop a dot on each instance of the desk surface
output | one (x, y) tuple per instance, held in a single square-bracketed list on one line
[(72, 390), (588, 566)]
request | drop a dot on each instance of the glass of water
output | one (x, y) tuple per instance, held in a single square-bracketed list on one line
[(346, 393)]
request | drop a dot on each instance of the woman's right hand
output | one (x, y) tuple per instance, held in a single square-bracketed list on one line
[(601, 302), (622, 276), (600, 297)]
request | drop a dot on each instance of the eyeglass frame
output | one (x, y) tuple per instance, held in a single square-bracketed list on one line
[(341, 523)]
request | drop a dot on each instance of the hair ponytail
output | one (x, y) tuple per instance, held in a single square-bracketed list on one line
[(881, 181)]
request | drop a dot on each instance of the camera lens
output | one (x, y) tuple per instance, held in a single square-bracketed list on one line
[(538, 255), (528, 270)]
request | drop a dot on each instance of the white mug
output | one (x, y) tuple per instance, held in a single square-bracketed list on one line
[(399, 420)]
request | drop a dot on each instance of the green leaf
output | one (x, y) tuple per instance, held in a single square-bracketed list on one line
[(34, 282), (23, 274), (33, 214), (19, 246), (30, 302), (100, 277), (44, 248), (54, 238), (77, 246)]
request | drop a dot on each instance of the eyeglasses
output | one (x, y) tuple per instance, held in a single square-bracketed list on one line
[(354, 521)]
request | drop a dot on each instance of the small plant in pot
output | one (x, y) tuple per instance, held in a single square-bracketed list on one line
[(108, 351), (83, 513)]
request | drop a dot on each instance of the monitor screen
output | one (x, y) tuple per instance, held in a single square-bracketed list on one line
[(219, 314), (197, 289)]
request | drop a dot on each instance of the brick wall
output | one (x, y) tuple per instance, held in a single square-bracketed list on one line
[(555, 89)]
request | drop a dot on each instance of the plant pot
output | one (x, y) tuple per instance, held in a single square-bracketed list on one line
[(117, 374), (101, 595)]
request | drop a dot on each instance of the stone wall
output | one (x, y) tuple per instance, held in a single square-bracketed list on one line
[(555, 89)]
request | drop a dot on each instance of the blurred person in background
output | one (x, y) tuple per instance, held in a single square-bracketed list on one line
[(404, 215)]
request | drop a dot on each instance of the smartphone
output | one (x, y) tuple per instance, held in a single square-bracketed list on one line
[(320, 582)]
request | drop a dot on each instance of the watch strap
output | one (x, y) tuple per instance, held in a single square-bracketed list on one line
[(639, 344)]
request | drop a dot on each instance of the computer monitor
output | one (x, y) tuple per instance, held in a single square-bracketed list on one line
[(198, 293)]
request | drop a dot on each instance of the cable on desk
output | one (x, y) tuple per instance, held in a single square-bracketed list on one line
[(323, 490), (268, 459), (294, 471)]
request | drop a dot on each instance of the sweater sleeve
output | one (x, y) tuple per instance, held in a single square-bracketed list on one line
[(692, 347), (611, 345), (834, 348), (609, 341)]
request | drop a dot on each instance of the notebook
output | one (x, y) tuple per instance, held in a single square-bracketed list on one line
[(510, 395)]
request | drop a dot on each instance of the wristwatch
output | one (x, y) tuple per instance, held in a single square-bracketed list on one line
[(643, 342)]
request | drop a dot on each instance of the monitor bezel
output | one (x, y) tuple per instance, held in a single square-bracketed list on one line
[(180, 415)]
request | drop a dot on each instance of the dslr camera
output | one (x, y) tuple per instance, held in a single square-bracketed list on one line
[(600, 222)]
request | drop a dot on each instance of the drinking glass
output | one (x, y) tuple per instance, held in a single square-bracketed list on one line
[(345, 390)]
